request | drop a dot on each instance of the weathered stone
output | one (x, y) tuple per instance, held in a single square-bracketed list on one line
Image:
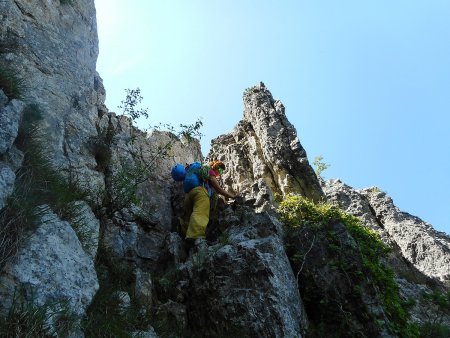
[(9, 124), (87, 228), (51, 267), (14, 158), (426, 248), (121, 238), (144, 287), (263, 155), (245, 285), (328, 267), (150, 245), (401, 232), (55, 52), (7, 178), (3, 99)]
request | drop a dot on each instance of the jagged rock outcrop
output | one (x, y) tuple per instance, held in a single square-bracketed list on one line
[(51, 49), (51, 268), (427, 249), (419, 255), (9, 122), (263, 154), (242, 283), (7, 178)]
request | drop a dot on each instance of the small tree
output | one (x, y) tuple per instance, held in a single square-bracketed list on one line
[(129, 105), (320, 165)]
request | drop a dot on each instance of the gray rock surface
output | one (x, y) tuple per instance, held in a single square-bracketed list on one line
[(144, 287), (245, 286), (425, 248), (54, 48), (3, 99), (263, 154), (87, 228), (7, 178), (52, 266), (10, 116), (13, 158)]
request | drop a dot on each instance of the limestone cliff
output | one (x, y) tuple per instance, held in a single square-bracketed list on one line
[(89, 216)]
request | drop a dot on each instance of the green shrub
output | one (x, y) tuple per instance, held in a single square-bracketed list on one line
[(12, 84)]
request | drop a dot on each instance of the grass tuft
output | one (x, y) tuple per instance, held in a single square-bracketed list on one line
[(12, 84)]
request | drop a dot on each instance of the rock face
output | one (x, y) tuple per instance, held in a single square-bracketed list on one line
[(10, 114), (9, 123), (243, 284), (417, 241), (54, 46), (420, 244), (52, 267), (7, 178), (419, 255), (263, 154)]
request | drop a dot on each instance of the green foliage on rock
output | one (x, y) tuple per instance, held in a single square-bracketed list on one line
[(339, 265), (12, 84), (26, 319), (439, 302)]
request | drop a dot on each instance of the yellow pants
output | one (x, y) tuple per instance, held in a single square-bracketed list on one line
[(197, 204)]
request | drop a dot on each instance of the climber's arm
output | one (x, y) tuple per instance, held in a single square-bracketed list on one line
[(219, 189)]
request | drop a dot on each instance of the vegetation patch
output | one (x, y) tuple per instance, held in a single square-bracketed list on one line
[(12, 84), (25, 319), (347, 289)]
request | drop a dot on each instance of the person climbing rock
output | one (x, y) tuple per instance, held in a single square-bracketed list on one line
[(200, 184)]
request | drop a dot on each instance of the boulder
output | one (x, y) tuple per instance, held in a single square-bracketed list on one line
[(51, 267)]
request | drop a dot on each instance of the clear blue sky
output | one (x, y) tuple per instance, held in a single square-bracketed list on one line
[(365, 83)]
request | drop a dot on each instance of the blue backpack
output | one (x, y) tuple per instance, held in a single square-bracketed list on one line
[(178, 172), (197, 175)]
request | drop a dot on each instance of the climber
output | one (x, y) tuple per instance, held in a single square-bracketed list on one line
[(197, 200)]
